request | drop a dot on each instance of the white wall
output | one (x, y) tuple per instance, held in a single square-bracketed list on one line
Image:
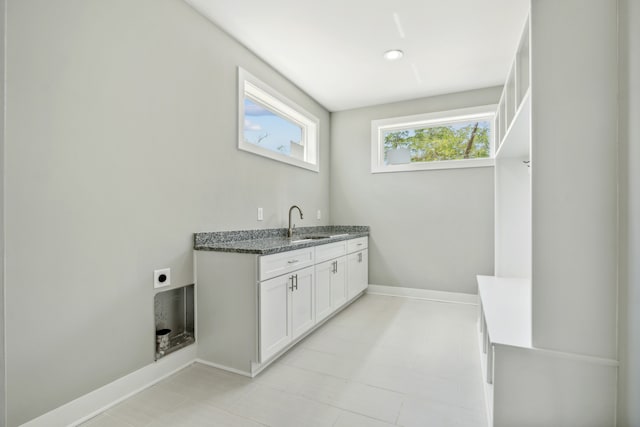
[(120, 143), (429, 229), (3, 5), (629, 297), (574, 79), (513, 218)]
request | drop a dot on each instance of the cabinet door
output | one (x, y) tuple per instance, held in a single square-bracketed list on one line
[(323, 290), (339, 283), (275, 325), (302, 302), (358, 269)]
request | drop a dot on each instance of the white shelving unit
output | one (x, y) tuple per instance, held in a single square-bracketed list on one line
[(514, 108), (547, 317), (506, 308), (517, 137)]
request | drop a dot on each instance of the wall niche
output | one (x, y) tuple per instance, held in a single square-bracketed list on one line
[(174, 320)]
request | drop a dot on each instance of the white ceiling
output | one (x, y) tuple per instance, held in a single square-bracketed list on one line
[(332, 49)]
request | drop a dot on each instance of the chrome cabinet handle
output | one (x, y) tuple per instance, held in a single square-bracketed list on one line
[(293, 261), (294, 282), (360, 244), (360, 257)]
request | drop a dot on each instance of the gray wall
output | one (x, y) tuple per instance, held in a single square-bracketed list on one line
[(429, 229), (3, 5), (120, 143), (629, 304), (574, 202)]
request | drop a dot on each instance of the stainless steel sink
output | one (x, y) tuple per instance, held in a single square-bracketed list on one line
[(311, 237), (300, 240)]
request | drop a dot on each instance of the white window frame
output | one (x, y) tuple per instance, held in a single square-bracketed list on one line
[(379, 127), (260, 92)]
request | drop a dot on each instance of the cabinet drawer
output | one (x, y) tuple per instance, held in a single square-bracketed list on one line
[(330, 251), (282, 263), (358, 244)]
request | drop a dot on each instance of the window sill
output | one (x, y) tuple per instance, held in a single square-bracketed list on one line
[(445, 164)]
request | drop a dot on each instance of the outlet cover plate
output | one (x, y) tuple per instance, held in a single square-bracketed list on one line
[(161, 278)]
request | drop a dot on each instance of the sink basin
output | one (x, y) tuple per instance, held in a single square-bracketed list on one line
[(311, 237), (300, 240)]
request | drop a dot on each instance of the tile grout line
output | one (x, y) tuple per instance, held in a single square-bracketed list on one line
[(452, 379), (399, 412), (327, 403)]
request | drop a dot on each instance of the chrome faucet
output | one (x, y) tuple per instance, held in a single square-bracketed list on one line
[(290, 231)]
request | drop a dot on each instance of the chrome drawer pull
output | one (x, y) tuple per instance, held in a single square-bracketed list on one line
[(293, 261)]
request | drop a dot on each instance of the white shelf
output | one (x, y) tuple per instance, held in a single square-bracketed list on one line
[(515, 143), (506, 303)]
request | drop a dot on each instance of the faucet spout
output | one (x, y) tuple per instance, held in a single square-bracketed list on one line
[(290, 231)]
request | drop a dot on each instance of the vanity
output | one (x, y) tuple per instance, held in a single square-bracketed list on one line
[(260, 292)]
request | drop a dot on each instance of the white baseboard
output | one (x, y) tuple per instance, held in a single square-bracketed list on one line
[(91, 404), (224, 368), (441, 296)]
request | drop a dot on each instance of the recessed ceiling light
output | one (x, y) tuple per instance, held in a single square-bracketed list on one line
[(393, 55)]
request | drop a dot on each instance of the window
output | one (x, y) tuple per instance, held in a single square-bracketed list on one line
[(272, 126), (448, 139)]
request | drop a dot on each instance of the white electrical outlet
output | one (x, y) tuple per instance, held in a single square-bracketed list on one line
[(161, 278), (260, 214), (319, 214)]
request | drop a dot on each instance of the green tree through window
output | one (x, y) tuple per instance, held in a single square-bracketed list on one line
[(456, 141)]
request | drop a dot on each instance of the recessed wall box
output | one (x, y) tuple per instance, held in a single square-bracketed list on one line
[(174, 312)]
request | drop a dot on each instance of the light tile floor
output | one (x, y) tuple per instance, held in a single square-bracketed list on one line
[(384, 361)]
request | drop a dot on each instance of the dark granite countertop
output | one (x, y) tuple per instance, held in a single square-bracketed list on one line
[(274, 240)]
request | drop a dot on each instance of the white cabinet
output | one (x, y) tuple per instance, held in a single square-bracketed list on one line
[(358, 267), (285, 262), (358, 244), (251, 308), (286, 305), (275, 319), (548, 317), (341, 278), (331, 278), (331, 282), (331, 251), (323, 290), (302, 301), (338, 282)]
